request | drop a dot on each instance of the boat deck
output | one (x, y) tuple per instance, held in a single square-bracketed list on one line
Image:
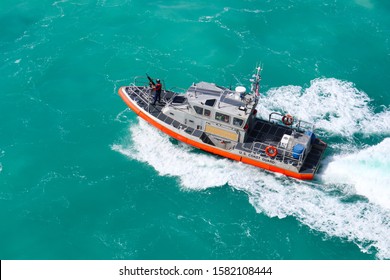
[(155, 110), (265, 134)]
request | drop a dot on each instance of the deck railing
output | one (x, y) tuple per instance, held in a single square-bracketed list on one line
[(299, 125), (143, 93), (283, 155)]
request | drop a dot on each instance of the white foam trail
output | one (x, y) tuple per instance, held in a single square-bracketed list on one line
[(333, 105), (367, 170), (154, 148), (361, 222), (2, 153)]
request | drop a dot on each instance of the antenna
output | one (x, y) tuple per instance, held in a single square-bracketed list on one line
[(256, 81)]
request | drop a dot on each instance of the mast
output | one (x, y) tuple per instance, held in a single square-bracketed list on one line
[(255, 87)]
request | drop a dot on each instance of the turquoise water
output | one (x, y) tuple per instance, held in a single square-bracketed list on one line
[(81, 177)]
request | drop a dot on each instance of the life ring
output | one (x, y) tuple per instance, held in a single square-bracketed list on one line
[(271, 151), (288, 119)]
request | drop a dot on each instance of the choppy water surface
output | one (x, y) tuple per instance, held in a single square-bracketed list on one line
[(81, 177)]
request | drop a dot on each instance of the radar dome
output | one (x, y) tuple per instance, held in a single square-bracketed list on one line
[(240, 89)]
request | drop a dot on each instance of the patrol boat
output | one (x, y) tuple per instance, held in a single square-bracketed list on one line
[(224, 122)]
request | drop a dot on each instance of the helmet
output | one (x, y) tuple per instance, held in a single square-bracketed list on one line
[(158, 80)]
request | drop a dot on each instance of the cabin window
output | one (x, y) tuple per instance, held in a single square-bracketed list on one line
[(238, 122), (198, 110), (207, 113), (210, 102), (179, 99), (222, 117)]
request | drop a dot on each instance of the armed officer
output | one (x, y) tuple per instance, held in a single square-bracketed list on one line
[(157, 94)]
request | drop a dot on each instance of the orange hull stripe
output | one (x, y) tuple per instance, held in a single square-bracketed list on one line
[(210, 149)]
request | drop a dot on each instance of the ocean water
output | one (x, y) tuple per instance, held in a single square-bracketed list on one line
[(82, 177)]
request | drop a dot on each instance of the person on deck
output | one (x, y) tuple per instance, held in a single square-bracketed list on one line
[(157, 95)]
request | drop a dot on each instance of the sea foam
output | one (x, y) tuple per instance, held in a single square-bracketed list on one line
[(367, 170)]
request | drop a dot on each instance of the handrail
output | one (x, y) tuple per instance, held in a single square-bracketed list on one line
[(305, 125), (300, 124), (275, 113), (282, 151), (142, 89)]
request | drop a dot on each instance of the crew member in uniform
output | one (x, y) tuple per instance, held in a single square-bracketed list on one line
[(157, 95)]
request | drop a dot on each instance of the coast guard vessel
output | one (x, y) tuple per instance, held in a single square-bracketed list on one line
[(222, 121)]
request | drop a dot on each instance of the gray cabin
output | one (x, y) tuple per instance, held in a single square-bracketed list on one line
[(223, 114)]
